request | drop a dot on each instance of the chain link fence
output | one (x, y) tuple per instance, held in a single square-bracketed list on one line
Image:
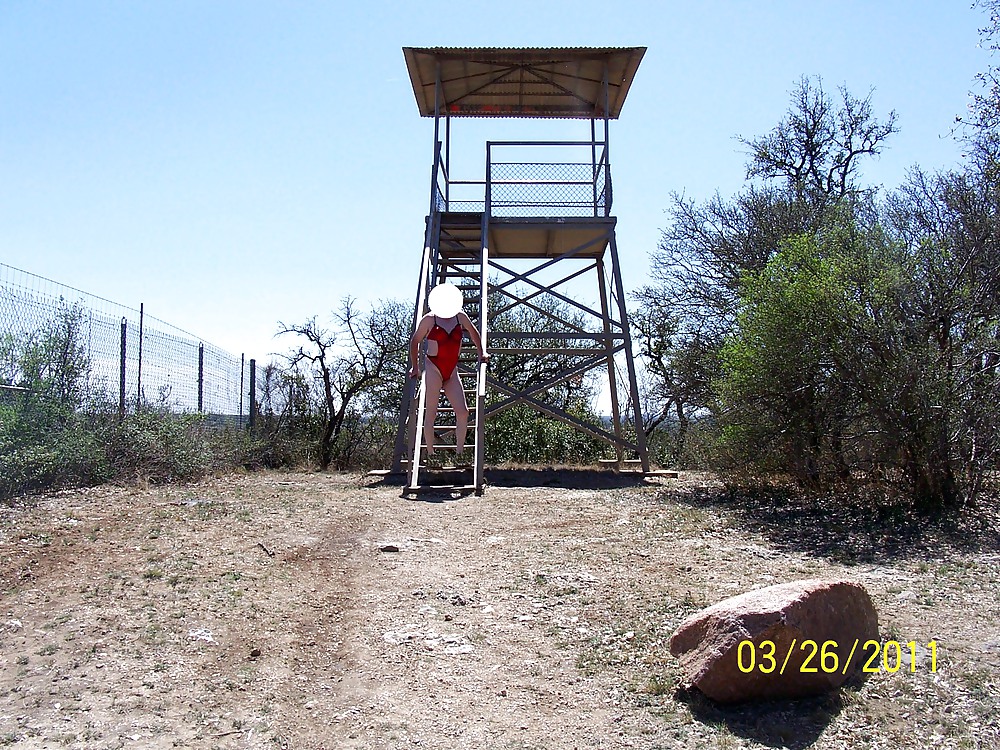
[(547, 189), (131, 358), (522, 186)]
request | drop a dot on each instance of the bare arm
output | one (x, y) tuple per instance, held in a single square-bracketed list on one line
[(423, 328), (473, 332)]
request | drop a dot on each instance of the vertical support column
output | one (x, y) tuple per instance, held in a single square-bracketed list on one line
[(593, 159), (447, 163), (640, 434), (253, 394), (479, 459), (406, 427), (609, 345), (201, 378), (607, 151), (418, 394), (124, 359), (410, 411)]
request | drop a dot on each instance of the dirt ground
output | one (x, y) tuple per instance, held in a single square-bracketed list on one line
[(303, 610)]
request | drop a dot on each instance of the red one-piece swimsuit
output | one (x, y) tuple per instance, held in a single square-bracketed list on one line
[(449, 344)]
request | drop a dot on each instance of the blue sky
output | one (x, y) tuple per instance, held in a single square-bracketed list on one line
[(232, 164)]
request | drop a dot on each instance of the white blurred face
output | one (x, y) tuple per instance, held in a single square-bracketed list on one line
[(445, 300)]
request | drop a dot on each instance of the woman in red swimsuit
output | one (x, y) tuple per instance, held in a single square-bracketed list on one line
[(444, 341)]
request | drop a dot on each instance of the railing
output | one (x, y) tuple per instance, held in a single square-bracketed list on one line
[(526, 186), (521, 181)]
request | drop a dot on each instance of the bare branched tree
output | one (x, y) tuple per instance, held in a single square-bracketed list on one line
[(815, 149), (355, 362)]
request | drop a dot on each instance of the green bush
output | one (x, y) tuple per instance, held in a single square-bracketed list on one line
[(158, 446), (522, 434), (699, 449), (43, 448)]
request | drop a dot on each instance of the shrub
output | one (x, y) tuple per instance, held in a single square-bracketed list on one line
[(158, 446), (521, 434)]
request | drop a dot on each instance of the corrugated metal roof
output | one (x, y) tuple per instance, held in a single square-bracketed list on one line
[(522, 82)]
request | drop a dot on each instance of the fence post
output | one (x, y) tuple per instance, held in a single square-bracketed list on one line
[(201, 377), (138, 377), (253, 393), (243, 364), (121, 379)]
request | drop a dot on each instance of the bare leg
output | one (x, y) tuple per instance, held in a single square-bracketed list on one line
[(456, 397), (432, 387)]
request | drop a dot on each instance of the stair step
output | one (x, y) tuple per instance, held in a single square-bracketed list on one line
[(459, 466)]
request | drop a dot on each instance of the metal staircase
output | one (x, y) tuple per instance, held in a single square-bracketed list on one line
[(457, 255)]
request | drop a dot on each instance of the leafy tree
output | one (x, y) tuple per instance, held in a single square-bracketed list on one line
[(875, 349), (680, 372), (782, 402), (522, 434), (803, 180), (44, 440), (52, 362), (947, 316)]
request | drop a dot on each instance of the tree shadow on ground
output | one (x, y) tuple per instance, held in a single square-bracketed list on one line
[(847, 527), (793, 724), (576, 478)]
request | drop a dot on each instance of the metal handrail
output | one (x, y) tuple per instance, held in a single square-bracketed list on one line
[(545, 143)]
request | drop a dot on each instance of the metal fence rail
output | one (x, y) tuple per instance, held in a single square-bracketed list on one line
[(132, 358)]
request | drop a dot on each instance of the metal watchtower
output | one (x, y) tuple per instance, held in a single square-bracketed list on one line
[(539, 222)]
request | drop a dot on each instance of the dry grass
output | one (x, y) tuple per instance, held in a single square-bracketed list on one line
[(259, 611)]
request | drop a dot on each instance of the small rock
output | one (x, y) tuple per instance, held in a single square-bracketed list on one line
[(388, 548), (201, 634), (452, 597), (399, 637), (255, 653)]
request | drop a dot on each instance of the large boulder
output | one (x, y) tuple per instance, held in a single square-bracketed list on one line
[(813, 625)]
